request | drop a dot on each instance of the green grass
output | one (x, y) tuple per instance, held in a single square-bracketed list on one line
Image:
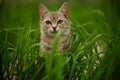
[(91, 28)]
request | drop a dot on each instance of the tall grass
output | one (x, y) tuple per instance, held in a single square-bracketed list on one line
[(92, 55)]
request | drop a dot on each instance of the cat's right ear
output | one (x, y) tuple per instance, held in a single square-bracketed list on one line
[(65, 9), (42, 11)]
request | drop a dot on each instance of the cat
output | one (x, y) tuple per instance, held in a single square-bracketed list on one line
[(50, 24)]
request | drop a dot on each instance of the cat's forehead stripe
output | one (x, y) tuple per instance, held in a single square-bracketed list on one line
[(54, 17)]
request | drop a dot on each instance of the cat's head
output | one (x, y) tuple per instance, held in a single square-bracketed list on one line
[(52, 22)]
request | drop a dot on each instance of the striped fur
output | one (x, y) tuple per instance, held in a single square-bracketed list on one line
[(50, 24)]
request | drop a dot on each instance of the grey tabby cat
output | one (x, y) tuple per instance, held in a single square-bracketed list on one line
[(50, 24)]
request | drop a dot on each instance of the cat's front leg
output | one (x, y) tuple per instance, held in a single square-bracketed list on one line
[(61, 47), (45, 48)]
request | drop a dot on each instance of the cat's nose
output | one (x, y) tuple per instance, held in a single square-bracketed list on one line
[(54, 28)]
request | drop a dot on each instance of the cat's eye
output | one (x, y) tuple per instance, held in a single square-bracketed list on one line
[(48, 22), (60, 21)]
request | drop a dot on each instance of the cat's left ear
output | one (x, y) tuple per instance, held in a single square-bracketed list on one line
[(64, 9), (42, 11)]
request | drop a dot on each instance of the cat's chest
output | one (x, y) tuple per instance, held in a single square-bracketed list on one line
[(50, 40), (62, 43)]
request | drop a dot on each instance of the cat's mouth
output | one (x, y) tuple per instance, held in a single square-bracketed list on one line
[(54, 31)]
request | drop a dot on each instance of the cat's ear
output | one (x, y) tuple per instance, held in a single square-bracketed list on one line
[(64, 9), (42, 11)]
